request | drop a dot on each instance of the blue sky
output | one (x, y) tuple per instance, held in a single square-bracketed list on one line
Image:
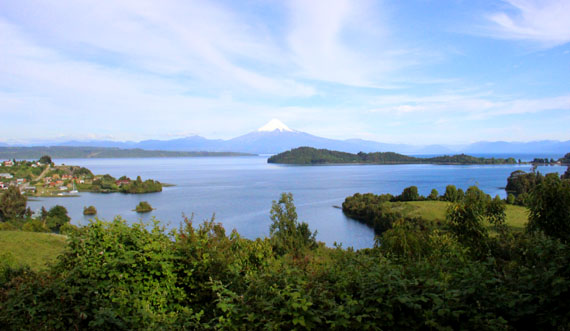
[(419, 72)]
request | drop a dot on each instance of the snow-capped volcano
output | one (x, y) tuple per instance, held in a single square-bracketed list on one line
[(273, 125)]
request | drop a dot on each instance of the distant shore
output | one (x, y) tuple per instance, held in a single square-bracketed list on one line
[(68, 152)]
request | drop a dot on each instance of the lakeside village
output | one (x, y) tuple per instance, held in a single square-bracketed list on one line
[(43, 178)]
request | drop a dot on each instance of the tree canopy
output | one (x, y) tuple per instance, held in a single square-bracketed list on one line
[(12, 204)]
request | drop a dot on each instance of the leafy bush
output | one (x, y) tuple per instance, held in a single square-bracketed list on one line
[(113, 275), (549, 206), (372, 210), (410, 194), (12, 204), (287, 234), (56, 217), (451, 194), (434, 195), (35, 225)]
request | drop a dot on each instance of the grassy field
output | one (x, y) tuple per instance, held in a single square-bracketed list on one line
[(33, 249), (517, 216)]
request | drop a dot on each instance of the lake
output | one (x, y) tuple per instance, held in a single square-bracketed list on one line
[(240, 190)]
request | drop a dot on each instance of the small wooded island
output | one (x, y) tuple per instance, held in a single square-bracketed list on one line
[(144, 207), (91, 210), (309, 155)]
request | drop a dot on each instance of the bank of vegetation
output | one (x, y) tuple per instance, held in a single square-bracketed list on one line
[(309, 155), (460, 274)]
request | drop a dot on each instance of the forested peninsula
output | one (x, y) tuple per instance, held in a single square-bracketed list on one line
[(309, 155), (73, 152)]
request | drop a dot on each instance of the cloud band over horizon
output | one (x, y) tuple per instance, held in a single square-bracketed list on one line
[(390, 72)]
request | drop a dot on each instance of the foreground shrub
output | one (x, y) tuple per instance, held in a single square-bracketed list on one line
[(119, 276), (549, 206)]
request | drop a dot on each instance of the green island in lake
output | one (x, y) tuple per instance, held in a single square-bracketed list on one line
[(144, 207), (309, 155), (45, 179)]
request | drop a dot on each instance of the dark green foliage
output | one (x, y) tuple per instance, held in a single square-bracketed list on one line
[(511, 199), (81, 171), (543, 161), (287, 234), (105, 183), (56, 218), (466, 219), (125, 277), (115, 276), (451, 194), (565, 159), (566, 174), (460, 194), (45, 159), (495, 212), (138, 186), (434, 195), (410, 194), (35, 225), (91, 210), (309, 155), (521, 183), (549, 206), (12, 204), (372, 210), (143, 207), (466, 223)]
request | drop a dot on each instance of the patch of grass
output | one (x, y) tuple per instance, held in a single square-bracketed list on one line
[(517, 216), (32, 249)]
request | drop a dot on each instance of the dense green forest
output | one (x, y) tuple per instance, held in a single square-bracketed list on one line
[(65, 152), (309, 155), (419, 275)]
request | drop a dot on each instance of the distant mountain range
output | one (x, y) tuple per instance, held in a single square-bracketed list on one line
[(276, 137)]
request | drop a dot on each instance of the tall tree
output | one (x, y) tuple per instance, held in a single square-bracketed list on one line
[(549, 206), (287, 234), (12, 204), (56, 217), (46, 159)]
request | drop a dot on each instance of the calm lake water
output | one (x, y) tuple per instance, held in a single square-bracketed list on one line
[(240, 190)]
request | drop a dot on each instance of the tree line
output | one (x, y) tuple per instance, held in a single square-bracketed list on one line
[(15, 215)]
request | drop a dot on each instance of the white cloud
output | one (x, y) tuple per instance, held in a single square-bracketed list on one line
[(543, 21), (466, 106), (346, 42), (195, 41)]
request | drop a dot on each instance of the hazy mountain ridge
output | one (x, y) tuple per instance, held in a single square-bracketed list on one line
[(282, 138)]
